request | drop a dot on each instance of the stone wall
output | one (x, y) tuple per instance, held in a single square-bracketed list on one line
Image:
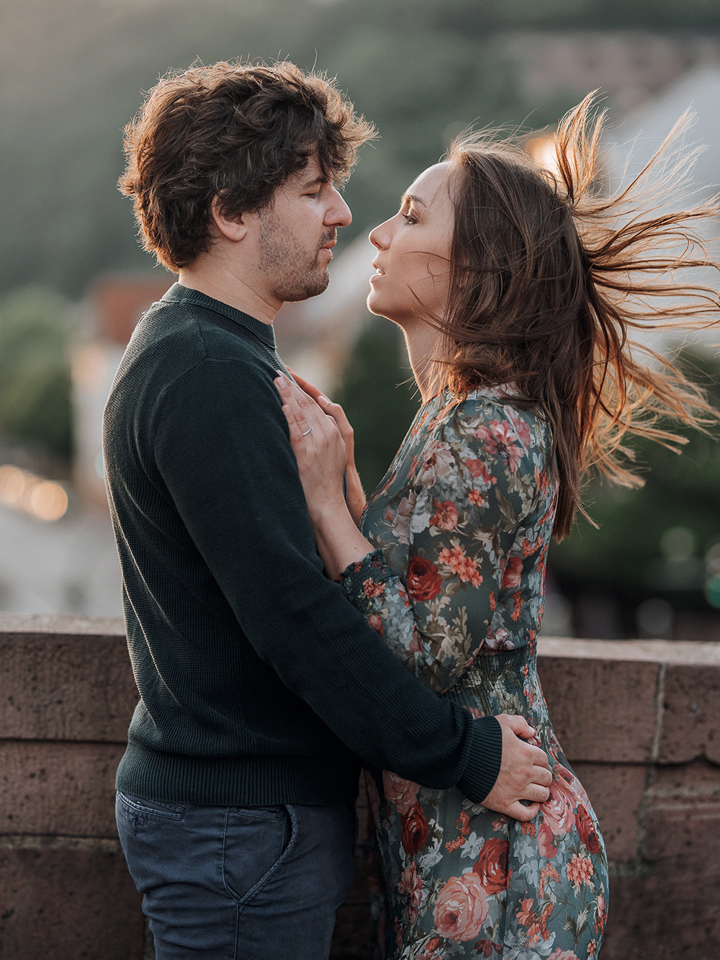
[(635, 718)]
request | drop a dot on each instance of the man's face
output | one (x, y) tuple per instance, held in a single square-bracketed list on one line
[(297, 232)]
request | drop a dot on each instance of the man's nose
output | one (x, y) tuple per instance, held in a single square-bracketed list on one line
[(339, 212)]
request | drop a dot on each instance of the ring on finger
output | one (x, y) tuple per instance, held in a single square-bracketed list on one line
[(309, 430)]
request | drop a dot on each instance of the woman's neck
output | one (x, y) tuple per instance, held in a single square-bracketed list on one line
[(421, 340)]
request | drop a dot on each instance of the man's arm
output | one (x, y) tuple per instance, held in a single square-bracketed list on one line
[(223, 452)]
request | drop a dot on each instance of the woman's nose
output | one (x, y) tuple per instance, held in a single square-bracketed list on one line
[(380, 235)]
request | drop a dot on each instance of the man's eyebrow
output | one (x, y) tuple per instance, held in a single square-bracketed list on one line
[(318, 181), (411, 196)]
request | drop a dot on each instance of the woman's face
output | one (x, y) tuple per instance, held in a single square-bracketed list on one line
[(413, 258)]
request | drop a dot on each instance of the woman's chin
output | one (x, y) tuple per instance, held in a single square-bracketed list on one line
[(374, 304)]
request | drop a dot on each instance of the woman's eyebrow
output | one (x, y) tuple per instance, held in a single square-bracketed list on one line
[(410, 196)]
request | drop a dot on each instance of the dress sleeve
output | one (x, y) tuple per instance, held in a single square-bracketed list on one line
[(474, 485)]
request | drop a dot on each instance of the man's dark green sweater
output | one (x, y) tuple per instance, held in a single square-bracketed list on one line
[(259, 683)]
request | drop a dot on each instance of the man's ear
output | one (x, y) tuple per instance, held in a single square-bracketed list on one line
[(232, 229)]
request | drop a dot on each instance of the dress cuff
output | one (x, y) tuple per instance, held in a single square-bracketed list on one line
[(483, 766), (355, 576)]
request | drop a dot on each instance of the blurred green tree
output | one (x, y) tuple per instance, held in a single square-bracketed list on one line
[(35, 383)]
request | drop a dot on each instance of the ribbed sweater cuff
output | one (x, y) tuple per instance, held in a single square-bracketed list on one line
[(483, 764)]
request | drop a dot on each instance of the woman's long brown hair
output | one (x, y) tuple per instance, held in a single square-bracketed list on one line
[(550, 276)]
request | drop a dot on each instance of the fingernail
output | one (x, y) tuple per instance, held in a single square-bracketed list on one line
[(322, 399), (281, 381)]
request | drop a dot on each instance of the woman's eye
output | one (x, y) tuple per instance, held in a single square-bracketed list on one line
[(409, 218)]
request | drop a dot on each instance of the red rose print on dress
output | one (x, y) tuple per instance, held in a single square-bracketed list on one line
[(512, 574), (547, 842), (492, 865), (423, 580), (586, 830), (413, 830), (574, 785), (461, 908), (446, 515), (557, 811), (401, 793)]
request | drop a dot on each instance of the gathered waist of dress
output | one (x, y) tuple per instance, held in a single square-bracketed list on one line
[(490, 662), (499, 681)]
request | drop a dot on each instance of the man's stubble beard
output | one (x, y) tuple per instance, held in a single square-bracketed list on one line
[(295, 276)]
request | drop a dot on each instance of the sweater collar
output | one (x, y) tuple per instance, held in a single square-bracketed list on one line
[(263, 331)]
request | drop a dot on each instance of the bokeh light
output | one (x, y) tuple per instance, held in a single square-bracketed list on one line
[(542, 151), (44, 500), (678, 543)]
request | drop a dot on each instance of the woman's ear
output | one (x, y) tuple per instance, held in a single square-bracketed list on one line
[(231, 228)]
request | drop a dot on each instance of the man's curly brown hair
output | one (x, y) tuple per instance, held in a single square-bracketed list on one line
[(233, 131)]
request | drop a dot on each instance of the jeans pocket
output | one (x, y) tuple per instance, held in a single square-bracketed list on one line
[(255, 840), (140, 808)]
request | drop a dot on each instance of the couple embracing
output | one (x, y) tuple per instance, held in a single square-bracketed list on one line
[(282, 630)]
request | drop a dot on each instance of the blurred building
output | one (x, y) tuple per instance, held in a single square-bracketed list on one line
[(57, 551), (113, 308), (630, 66), (633, 140)]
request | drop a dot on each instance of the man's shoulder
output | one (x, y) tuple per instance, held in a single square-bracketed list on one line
[(174, 338)]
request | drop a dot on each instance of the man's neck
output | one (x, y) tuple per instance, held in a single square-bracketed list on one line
[(211, 277)]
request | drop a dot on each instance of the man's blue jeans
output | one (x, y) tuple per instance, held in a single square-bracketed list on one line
[(238, 883)]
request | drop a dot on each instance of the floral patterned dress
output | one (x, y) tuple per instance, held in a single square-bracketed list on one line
[(462, 523)]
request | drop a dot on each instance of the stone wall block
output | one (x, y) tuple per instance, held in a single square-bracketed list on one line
[(616, 792), (65, 904), (78, 688), (688, 834), (691, 706), (663, 915), (687, 781), (603, 711), (59, 789)]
